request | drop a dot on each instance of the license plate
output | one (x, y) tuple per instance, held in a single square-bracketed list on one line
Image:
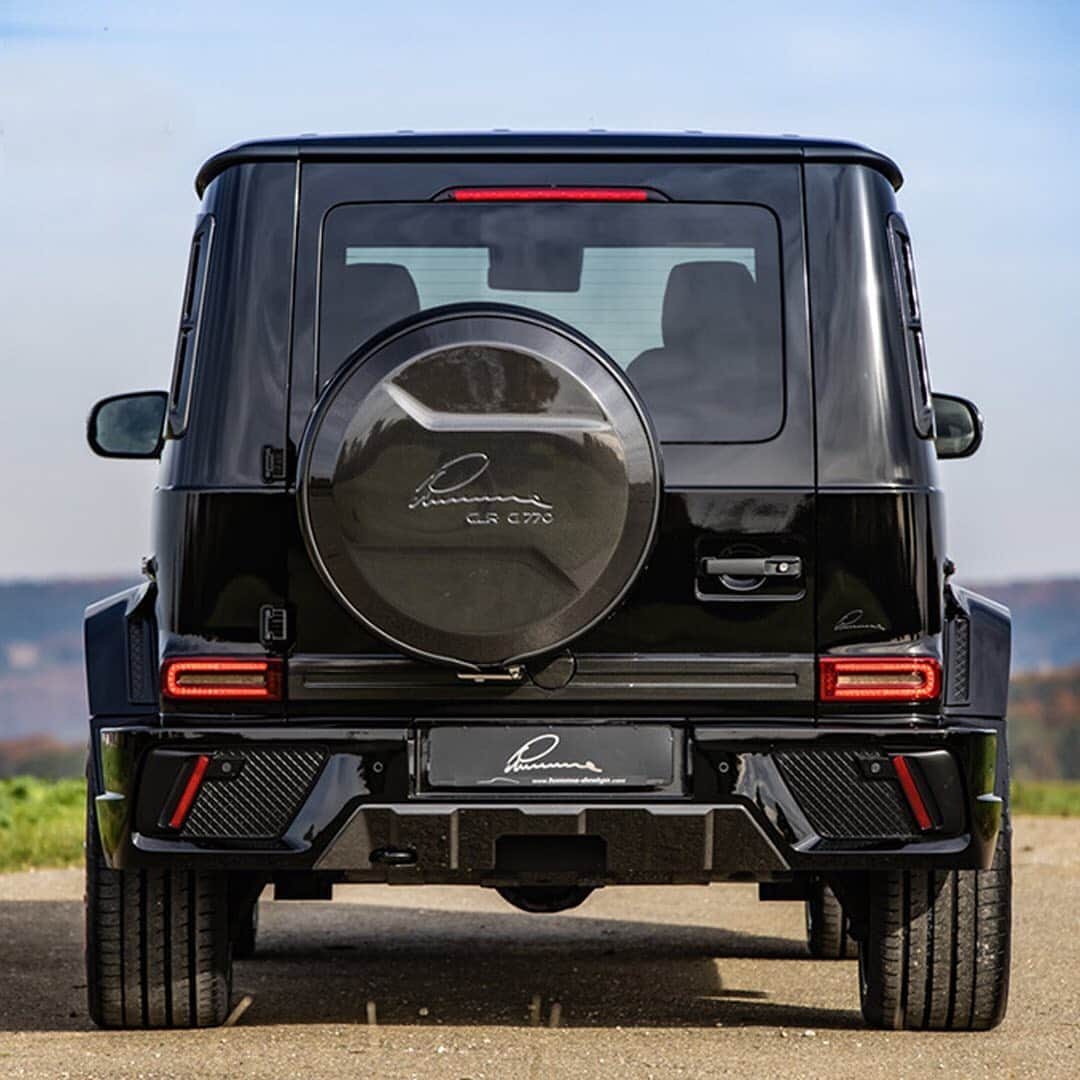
[(572, 757)]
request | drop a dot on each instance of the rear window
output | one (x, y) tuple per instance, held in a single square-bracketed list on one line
[(187, 338), (904, 270), (684, 298)]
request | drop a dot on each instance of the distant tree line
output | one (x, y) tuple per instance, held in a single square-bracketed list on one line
[(1044, 725)]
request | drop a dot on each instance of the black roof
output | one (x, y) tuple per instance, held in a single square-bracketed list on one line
[(524, 146)]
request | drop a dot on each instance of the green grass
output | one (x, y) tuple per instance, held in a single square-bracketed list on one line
[(41, 822), (1060, 798)]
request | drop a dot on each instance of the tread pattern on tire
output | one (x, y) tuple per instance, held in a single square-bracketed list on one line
[(157, 945), (828, 929), (937, 952)]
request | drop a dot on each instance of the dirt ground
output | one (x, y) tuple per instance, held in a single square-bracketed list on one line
[(686, 982)]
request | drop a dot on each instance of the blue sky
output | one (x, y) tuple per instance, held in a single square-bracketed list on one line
[(106, 111)]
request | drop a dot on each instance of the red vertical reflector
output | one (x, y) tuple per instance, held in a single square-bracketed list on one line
[(191, 789), (911, 793)]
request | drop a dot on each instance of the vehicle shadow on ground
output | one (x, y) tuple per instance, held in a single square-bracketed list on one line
[(323, 963)]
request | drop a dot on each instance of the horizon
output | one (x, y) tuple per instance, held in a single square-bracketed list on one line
[(119, 575)]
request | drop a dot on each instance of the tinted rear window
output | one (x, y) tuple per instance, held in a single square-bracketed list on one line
[(684, 298)]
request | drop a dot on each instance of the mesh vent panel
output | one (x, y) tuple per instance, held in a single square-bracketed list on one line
[(141, 669), (960, 662), (839, 802), (259, 803)]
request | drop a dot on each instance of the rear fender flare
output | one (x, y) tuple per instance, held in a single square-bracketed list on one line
[(978, 644), (978, 647), (120, 636)]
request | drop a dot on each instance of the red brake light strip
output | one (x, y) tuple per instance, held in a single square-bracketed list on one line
[(549, 194)]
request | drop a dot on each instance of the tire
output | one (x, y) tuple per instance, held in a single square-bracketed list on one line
[(245, 931), (936, 955), (157, 944), (828, 929), (545, 899), (476, 431)]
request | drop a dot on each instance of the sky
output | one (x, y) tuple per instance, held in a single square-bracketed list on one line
[(107, 110)]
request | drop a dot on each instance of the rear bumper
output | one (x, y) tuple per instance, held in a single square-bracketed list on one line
[(755, 804)]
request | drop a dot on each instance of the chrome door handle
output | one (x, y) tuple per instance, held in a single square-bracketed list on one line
[(785, 566)]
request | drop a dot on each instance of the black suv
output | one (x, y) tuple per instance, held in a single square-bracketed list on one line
[(545, 513)]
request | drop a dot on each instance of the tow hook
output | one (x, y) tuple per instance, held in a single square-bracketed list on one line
[(393, 856)]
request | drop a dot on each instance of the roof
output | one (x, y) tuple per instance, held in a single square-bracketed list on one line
[(526, 146)]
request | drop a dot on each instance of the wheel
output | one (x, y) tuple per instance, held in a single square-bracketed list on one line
[(936, 955), (245, 930), (828, 929), (545, 899), (511, 461), (157, 944)]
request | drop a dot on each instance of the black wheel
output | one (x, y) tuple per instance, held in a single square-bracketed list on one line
[(828, 929), (545, 899), (936, 955), (245, 930), (157, 944), (511, 460)]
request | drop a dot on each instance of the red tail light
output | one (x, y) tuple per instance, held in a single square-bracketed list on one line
[(215, 678), (549, 194), (191, 789), (871, 678)]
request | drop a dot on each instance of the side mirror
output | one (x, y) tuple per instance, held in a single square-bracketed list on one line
[(958, 425), (128, 425)]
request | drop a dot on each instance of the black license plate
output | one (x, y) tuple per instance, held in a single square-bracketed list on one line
[(561, 756)]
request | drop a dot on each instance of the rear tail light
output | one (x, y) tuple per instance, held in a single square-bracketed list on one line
[(871, 678), (212, 678), (191, 789), (911, 792), (549, 194)]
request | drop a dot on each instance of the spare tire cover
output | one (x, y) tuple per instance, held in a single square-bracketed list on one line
[(480, 485)]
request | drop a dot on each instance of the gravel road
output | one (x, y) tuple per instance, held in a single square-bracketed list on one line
[(687, 982)]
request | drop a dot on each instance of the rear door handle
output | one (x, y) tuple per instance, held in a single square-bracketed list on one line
[(785, 566)]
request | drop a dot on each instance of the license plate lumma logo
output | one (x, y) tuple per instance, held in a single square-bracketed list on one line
[(534, 757), (627, 756)]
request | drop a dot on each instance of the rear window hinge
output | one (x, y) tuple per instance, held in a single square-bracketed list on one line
[(275, 464)]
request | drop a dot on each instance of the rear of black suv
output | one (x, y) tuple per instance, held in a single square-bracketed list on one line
[(546, 513)]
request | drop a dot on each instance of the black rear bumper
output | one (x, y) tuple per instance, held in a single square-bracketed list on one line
[(754, 804)]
